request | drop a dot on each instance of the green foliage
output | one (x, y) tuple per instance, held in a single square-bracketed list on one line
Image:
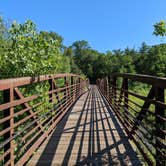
[(160, 28), (24, 51), (150, 60), (68, 52), (28, 52)]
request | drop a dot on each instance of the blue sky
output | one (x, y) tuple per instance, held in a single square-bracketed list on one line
[(105, 24)]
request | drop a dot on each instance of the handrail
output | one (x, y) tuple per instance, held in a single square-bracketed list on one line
[(143, 117), (30, 109), (14, 82), (152, 80)]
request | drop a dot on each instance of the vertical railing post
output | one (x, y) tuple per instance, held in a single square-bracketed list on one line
[(102, 86), (51, 100), (72, 88), (66, 89), (107, 89), (114, 89), (79, 86), (109, 81), (159, 111), (76, 93), (8, 96), (12, 125), (125, 93), (75, 87), (99, 82), (51, 83)]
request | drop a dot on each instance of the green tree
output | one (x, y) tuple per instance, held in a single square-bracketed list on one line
[(31, 53), (160, 28)]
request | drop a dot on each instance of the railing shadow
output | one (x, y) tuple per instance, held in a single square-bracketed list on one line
[(46, 159), (97, 138)]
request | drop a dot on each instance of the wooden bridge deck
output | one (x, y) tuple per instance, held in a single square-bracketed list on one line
[(90, 134)]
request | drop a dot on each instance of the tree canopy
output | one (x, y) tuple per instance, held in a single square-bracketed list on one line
[(25, 51), (160, 28)]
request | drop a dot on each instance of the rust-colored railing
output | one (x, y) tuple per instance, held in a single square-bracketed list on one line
[(30, 108), (139, 103)]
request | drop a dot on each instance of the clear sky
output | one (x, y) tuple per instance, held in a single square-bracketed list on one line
[(105, 24)]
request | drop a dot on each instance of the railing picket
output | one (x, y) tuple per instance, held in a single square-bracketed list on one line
[(114, 83), (126, 93), (12, 130), (71, 83)]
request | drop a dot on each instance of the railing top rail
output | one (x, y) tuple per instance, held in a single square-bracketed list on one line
[(14, 82), (152, 80)]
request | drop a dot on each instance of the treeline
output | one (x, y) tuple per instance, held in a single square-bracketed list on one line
[(149, 60), (24, 51)]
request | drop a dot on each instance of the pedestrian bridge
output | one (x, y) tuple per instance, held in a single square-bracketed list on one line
[(62, 120)]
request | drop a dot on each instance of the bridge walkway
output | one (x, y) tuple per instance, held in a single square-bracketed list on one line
[(89, 134)]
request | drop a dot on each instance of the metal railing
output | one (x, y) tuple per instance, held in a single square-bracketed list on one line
[(30, 108), (139, 103)]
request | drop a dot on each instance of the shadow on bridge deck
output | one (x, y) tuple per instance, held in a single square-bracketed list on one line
[(90, 134)]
